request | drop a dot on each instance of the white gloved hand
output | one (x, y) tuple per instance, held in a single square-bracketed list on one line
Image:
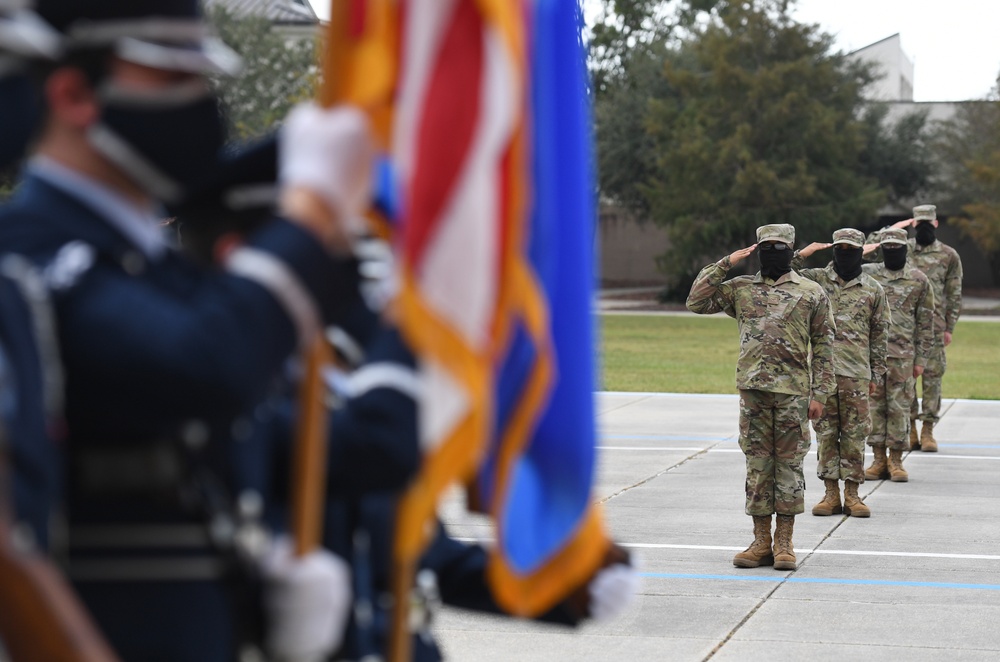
[(307, 601), (379, 277), (614, 589), (331, 152)]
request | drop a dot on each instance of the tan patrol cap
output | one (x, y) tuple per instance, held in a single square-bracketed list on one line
[(782, 232), (893, 236), (925, 213), (849, 236)]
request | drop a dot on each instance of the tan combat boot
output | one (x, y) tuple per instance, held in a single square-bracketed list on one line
[(914, 439), (759, 551), (880, 468), (853, 505), (830, 505), (897, 473), (784, 554), (927, 442)]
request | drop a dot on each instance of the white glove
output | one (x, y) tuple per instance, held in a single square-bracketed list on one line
[(307, 601), (613, 590), (379, 277), (329, 151)]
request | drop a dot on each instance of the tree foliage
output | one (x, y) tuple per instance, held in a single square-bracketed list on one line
[(278, 72), (898, 155), (969, 150), (760, 125), (629, 43)]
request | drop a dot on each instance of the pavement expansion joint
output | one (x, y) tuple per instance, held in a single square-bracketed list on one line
[(661, 472)]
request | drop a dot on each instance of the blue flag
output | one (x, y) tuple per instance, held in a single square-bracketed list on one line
[(550, 538)]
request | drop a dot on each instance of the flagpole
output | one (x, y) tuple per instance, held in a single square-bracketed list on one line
[(309, 461), (345, 79)]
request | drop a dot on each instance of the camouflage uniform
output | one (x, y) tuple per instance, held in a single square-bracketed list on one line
[(861, 315), (779, 320), (911, 338), (943, 268)]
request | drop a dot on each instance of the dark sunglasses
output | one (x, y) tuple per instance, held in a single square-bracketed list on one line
[(773, 247)]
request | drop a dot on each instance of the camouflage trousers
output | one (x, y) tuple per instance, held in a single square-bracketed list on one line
[(931, 385), (842, 430), (774, 436), (890, 406)]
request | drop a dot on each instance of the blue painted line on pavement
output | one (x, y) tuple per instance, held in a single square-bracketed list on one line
[(947, 445), (817, 580)]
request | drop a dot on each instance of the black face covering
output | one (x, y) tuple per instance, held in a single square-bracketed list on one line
[(925, 233), (20, 115), (774, 263), (895, 257), (847, 261), (166, 140)]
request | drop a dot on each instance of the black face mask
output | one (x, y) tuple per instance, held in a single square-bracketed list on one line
[(847, 261), (895, 258), (20, 116), (774, 263), (167, 141), (925, 233)]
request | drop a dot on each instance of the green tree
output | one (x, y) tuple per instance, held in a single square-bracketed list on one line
[(969, 150), (279, 71), (760, 126), (629, 42), (898, 155)]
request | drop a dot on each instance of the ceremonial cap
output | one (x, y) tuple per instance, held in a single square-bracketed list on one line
[(239, 197), (24, 33), (925, 213), (163, 34), (244, 180), (849, 236), (782, 232), (893, 236)]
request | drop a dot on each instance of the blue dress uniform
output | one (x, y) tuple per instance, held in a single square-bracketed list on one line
[(374, 438), (30, 374), (158, 354), (451, 572), (29, 399)]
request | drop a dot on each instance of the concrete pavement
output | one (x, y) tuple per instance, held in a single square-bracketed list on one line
[(919, 580)]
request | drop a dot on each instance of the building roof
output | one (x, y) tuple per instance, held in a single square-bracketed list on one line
[(874, 43), (285, 12)]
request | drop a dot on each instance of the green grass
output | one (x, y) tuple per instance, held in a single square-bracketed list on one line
[(698, 355)]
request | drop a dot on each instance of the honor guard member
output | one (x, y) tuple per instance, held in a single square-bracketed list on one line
[(158, 351), (30, 374), (40, 618), (861, 315), (911, 341), (377, 410), (943, 268), (25, 41), (373, 446), (782, 319)]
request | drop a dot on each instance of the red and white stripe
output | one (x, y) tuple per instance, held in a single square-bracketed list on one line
[(457, 109)]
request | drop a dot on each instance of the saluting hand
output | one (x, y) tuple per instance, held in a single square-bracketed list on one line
[(738, 256), (904, 224), (812, 248), (815, 410), (869, 248)]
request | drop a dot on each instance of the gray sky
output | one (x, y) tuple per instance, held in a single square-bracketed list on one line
[(953, 45)]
